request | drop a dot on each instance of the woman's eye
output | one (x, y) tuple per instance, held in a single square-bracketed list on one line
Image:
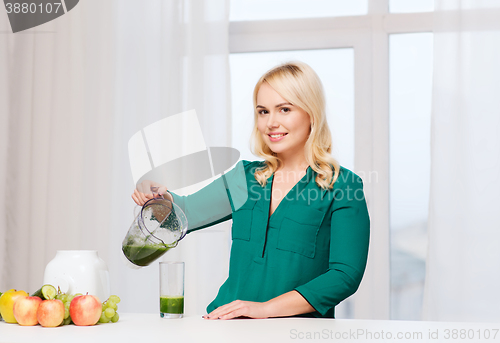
[(285, 109), (262, 112)]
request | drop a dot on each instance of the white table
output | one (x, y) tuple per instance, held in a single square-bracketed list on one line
[(142, 328)]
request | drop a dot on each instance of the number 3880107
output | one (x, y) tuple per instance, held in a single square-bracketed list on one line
[(26, 7)]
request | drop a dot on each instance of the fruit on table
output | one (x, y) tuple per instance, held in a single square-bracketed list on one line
[(85, 310), (7, 304), (109, 308), (50, 313), (25, 310), (46, 292)]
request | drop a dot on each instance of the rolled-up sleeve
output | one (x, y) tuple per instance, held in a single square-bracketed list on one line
[(349, 240)]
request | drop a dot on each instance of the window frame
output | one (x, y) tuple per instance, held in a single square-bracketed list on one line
[(368, 35)]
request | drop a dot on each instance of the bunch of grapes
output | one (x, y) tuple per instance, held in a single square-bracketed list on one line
[(66, 299), (109, 308)]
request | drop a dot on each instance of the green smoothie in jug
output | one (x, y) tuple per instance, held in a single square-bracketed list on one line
[(143, 255)]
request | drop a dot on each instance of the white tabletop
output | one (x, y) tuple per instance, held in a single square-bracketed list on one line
[(141, 328)]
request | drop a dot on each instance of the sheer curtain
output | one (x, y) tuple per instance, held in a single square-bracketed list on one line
[(463, 279), (55, 156), (72, 93)]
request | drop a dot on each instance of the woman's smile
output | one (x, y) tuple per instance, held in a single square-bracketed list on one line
[(276, 137)]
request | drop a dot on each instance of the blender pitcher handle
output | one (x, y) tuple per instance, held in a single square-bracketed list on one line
[(154, 190)]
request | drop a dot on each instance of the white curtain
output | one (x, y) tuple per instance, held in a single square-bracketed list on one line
[(56, 149), (463, 278), (72, 93)]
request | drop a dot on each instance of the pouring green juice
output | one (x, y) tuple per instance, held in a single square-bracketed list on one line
[(143, 255), (157, 227)]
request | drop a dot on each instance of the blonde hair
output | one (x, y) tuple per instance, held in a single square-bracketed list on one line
[(298, 84)]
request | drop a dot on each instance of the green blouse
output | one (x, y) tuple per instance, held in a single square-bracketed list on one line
[(315, 242)]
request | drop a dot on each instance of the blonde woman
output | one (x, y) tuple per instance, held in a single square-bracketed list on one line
[(300, 238)]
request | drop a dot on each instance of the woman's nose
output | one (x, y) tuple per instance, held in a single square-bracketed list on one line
[(272, 121)]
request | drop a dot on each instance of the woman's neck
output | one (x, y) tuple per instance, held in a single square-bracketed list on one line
[(295, 162)]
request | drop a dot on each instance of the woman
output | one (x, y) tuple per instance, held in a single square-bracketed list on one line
[(300, 238)]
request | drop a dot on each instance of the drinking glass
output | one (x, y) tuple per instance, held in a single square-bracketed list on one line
[(171, 289)]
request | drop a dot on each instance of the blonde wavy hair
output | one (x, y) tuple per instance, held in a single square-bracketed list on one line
[(298, 84)]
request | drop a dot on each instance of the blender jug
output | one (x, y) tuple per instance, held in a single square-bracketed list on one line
[(158, 227)]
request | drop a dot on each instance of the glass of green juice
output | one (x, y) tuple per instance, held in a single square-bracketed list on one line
[(171, 289)]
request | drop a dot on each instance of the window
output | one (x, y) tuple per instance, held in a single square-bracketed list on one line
[(410, 80)]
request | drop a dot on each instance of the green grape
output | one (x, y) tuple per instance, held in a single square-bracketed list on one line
[(64, 297), (112, 304), (77, 295), (66, 305), (58, 296), (104, 306), (115, 299), (104, 318), (67, 321), (66, 313), (69, 298), (115, 317), (109, 312)]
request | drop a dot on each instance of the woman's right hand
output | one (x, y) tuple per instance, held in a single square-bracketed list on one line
[(143, 192)]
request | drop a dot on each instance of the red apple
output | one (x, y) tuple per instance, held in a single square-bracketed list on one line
[(85, 310), (50, 313), (25, 309)]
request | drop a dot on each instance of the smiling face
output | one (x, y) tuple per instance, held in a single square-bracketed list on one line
[(284, 127)]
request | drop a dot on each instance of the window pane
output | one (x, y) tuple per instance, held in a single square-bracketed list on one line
[(335, 67), (241, 10), (410, 6), (410, 119)]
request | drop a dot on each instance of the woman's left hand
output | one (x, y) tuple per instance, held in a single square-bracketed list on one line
[(239, 308)]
